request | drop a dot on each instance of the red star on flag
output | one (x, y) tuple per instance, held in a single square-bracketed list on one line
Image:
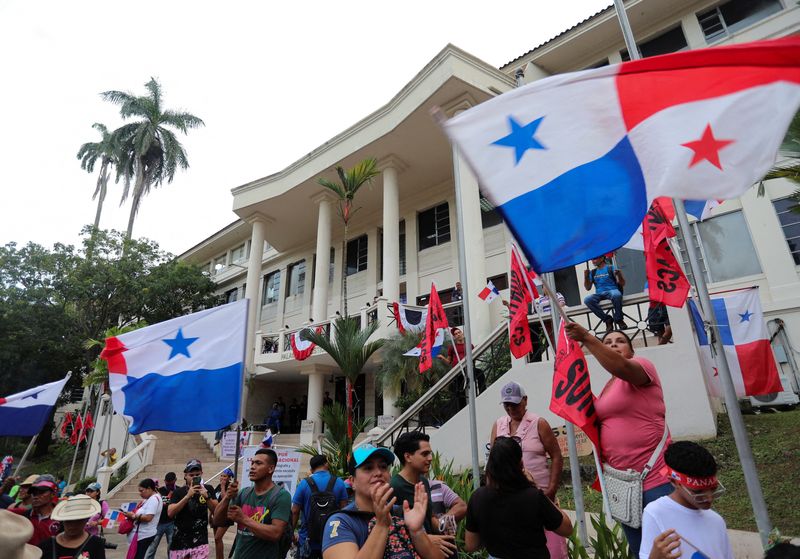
[(707, 148)]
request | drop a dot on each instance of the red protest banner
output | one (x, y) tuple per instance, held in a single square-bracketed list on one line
[(666, 280), (572, 396), (519, 333), (435, 320)]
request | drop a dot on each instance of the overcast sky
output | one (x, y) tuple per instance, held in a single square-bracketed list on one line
[(272, 81)]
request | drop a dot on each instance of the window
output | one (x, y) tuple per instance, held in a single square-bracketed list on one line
[(297, 278), (331, 265), (238, 254), (669, 41), (434, 226), (231, 295), (500, 282), (402, 247), (567, 285), (730, 17), (219, 264), (357, 255), (207, 269), (489, 215), (724, 247), (272, 288), (790, 223), (631, 263)]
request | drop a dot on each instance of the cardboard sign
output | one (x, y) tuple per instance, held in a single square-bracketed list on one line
[(307, 431), (228, 449), (286, 472), (581, 440)]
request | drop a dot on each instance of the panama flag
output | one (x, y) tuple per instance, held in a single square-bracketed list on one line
[(24, 414), (435, 350), (746, 342), (573, 161), (181, 375), (489, 293), (701, 209), (409, 318)]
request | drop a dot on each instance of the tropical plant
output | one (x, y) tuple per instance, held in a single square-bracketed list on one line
[(336, 444), (98, 374), (351, 180), (399, 373), (350, 348), (609, 541), (107, 151), (789, 168), (150, 152)]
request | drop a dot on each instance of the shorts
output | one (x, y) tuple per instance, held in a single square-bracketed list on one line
[(199, 552)]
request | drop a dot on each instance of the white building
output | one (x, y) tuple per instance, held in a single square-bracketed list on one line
[(285, 251)]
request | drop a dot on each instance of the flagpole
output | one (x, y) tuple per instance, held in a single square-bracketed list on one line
[(238, 450), (25, 454), (90, 442), (462, 270), (729, 392), (78, 443)]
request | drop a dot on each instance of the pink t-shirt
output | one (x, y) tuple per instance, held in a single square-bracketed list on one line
[(632, 422)]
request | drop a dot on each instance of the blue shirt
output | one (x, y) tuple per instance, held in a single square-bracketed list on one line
[(342, 527), (302, 498), (603, 280)]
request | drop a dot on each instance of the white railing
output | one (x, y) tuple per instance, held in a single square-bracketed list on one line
[(144, 451)]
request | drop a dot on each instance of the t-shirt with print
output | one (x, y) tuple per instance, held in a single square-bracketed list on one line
[(511, 525), (632, 422), (302, 498), (603, 279), (191, 523), (704, 528), (152, 505), (353, 527), (249, 546)]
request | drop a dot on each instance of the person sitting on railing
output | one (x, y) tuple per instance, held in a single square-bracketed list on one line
[(631, 413), (536, 438), (510, 514), (608, 282)]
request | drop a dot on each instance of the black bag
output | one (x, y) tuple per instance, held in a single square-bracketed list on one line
[(323, 504)]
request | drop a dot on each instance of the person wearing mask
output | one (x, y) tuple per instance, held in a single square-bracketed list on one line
[(94, 523), (225, 479), (316, 497), (75, 541), (190, 506), (43, 498), (510, 514), (538, 443), (631, 414), (145, 517), (372, 525), (262, 511), (608, 282)]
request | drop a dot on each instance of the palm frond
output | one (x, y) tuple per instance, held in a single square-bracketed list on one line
[(333, 187), (348, 346), (181, 120)]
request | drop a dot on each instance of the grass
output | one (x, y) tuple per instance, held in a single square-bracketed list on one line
[(775, 440)]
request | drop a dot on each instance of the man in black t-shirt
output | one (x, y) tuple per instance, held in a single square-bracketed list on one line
[(189, 506)]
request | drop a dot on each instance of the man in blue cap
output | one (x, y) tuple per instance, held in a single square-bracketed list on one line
[(369, 522)]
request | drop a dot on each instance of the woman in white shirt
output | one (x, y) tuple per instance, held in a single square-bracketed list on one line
[(145, 518)]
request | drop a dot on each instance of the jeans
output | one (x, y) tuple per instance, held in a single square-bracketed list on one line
[(634, 535), (168, 528), (593, 302)]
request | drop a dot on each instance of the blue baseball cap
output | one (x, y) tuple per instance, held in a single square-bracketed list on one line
[(363, 453)]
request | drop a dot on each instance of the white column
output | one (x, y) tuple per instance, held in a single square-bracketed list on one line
[(391, 235), (259, 223), (316, 385), (319, 308), (372, 271), (412, 254)]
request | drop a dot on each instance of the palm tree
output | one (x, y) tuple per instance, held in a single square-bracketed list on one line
[(151, 153), (336, 445), (350, 181), (790, 167), (107, 151), (350, 349)]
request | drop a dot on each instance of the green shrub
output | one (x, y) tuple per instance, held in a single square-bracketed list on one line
[(609, 543)]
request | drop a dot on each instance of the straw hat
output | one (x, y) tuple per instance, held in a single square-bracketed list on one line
[(15, 530), (30, 479), (76, 507)]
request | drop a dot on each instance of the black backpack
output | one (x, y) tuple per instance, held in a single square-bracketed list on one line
[(323, 504)]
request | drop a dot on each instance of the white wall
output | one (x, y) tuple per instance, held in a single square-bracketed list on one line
[(689, 410)]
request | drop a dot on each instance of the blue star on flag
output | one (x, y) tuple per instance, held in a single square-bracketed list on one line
[(745, 317), (522, 138), (179, 345), (35, 395)]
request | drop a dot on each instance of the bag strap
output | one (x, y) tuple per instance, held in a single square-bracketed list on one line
[(656, 452), (312, 485), (331, 484)]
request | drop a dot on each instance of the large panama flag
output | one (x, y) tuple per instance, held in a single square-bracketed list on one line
[(24, 414), (181, 375), (573, 161)]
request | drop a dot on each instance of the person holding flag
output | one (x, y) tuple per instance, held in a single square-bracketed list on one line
[(631, 415)]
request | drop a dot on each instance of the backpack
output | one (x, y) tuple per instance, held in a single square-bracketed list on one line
[(285, 542), (322, 505)]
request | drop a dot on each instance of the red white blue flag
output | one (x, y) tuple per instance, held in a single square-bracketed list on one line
[(301, 347), (409, 318), (24, 414), (746, 341), (573, 161), (489, 293)]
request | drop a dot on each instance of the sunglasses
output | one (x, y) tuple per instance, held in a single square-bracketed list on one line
[(703, 496), (39, 490)]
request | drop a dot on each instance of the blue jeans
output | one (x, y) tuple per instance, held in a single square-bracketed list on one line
[(593, 302), (166, 529), (634, 535)]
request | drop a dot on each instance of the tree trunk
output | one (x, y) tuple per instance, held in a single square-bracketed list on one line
[(102, 185), (137, 198), (349, 389), (344, 271)]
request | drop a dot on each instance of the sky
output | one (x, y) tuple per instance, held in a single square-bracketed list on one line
[(272, 81)]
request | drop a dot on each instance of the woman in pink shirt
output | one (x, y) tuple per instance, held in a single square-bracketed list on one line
[(536, 438), (631, 411)]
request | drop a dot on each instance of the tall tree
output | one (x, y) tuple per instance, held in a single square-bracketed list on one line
[(150, 150), (107, 151), (350, 181), (350, 348)]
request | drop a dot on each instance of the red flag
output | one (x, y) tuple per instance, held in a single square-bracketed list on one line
[(435, 320), (67, 422), (519, 333), (76, 429), (87, 422), (572, 396), (666, 280)]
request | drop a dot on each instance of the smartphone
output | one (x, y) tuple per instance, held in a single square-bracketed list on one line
[(196, 480)]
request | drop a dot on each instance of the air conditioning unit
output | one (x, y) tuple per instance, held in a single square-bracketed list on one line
[(784, 398)]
